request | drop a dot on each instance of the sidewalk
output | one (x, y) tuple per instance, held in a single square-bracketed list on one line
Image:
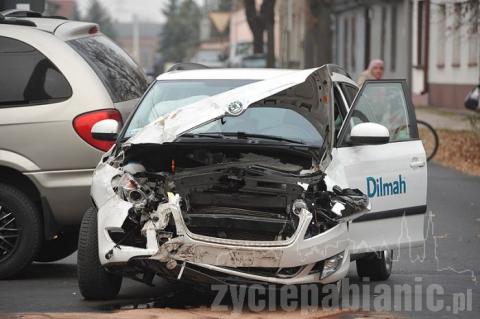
[(439, 118), (459, 144)]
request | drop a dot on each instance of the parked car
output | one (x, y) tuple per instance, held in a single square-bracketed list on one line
[(254, 61), (241, 55), (209, 57), (58, 78), (255, 175), (237, 51)]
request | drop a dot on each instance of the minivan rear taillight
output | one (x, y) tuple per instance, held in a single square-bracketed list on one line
[(83, 125)]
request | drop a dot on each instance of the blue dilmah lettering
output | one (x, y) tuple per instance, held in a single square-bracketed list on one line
[(377, 187), (371, 186)]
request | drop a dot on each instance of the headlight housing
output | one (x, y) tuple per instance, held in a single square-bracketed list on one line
[(129, 189)]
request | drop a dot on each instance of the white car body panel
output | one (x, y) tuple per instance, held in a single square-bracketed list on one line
[(351, 166), (337, 77)]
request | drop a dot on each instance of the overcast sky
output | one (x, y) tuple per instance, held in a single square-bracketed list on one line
[(123, 10)]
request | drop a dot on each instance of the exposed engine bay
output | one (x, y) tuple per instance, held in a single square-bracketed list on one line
[(239, 193)]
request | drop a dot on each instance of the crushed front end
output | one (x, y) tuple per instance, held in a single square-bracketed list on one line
[(216, 213)]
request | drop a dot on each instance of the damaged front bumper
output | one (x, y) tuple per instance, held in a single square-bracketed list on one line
[(226, 256), (295, 260)]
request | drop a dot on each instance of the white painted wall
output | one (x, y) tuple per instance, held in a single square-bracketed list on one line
[(417, 72), (401, 31), (449, 74)]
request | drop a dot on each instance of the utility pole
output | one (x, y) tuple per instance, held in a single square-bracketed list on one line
[(289, 28), (135, 39)]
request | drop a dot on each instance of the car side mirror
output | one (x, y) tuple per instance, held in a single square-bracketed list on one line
[(105, 130), (369, 133)]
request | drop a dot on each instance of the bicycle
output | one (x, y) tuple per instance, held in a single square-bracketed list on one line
[(429, 138)]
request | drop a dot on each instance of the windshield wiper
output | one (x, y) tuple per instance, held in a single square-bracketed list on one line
[(244, 135), (211, 135)]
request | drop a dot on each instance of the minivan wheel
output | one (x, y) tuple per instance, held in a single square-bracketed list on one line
[(61, 247), (20, 231), (94, 281), (376, 266)]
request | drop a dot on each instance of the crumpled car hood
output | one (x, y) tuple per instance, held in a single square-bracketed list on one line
[(171, 125)]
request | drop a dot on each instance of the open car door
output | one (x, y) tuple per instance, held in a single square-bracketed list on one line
[(393, 174)]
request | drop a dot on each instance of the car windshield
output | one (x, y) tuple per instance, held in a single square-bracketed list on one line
[(168, 95), (270, 123)]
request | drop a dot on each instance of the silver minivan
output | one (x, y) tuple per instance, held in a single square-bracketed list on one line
[(57, 79)]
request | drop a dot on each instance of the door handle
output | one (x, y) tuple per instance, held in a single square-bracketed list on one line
[(416, 163)]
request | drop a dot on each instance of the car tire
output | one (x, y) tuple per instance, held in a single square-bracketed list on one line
[(94, 281), (21, 231), (376, 266), (61, 247)]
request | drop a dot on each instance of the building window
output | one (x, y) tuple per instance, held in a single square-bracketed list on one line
[(368, 15), (383, 31), (419, 33), (456, 34), (473, 34), (345, 42), (441, 24), (352, 43), (393, 38)]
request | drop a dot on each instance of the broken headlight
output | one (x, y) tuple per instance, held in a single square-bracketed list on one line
[(129, 189)]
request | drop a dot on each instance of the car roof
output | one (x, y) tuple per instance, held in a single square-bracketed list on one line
[(47, 24), (222, 74), (337, 77)]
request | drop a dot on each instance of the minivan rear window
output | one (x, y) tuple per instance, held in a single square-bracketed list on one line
[(122, 77)]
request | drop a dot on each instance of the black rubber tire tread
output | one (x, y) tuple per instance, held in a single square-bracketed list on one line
[(28, 216), (373, 266), (94, 281), (59, 248), (435, 137)]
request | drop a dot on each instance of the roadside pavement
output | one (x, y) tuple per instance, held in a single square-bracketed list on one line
[(440, 118)]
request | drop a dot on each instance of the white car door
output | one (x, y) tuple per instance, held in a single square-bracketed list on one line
[(393, 175)]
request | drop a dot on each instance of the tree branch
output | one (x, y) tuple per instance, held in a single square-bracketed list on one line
[(254, 21)]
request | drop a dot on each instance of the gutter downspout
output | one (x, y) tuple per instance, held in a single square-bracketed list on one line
[(409, 21), (426, 59), (289, 29)]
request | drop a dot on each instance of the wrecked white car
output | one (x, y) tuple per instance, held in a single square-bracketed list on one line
[(255, 176)]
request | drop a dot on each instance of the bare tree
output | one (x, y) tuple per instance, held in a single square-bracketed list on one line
[(259, 22)]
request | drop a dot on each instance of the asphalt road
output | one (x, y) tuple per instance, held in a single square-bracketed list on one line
[(450, 260)]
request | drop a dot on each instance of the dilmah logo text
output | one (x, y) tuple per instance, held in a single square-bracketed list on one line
[(378, 187)]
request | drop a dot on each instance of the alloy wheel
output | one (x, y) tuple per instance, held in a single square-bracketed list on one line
[(9, 233)]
